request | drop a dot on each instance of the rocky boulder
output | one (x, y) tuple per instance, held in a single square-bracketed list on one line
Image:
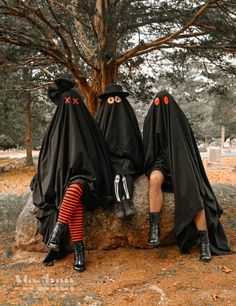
[(103, 231)]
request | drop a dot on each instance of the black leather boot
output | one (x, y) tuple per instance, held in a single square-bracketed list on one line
[(79, 261), (154, 232), (54, 240), (204, 246), (129, 207), (119, 210)]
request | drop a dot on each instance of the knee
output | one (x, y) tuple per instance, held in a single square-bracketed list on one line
[(156, 179)]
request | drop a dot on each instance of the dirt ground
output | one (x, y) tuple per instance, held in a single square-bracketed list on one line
[(125, 276)]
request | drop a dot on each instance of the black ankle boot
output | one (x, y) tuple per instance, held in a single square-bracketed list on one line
[(154, 233), (119, 210), (204, 246), (129, 207), (79, 261), (54, 240)]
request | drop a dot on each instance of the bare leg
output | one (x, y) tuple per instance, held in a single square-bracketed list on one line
[(154, 192), (200, 221), (155, 204)]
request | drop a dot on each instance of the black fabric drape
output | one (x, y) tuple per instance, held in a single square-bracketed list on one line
[(168, 132), (120, 129), (73, 150)]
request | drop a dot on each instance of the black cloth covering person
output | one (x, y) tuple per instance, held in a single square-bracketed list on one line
[(120, 129), (170, 147), (73, 151)]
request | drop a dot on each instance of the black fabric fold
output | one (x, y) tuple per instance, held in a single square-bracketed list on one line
[(120, 129), (73, 150), (167, 131)]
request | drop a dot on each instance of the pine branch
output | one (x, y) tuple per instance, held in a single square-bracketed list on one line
[(153, 45)]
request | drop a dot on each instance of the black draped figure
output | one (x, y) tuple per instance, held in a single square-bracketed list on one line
[(120, 129), (73, 169), (172, 161)]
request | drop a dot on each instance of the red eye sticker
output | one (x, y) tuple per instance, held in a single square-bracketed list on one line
[(166, 100), (156, 101), (75, 101), (67, 100)]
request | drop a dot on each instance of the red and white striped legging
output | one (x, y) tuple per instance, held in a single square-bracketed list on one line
[(71, 211)]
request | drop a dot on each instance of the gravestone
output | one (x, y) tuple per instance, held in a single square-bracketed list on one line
[(214, 158)]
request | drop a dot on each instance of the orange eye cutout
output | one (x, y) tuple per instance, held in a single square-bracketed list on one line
[(110, 100), (166, 100), (156, 101), (117, 99)]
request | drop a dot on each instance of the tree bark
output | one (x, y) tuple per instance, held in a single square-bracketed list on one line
[(26, 97), (106, 65), (107, 75), (28, 134)]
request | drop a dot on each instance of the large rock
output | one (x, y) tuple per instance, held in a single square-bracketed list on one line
[(103, 231), (27, 237)]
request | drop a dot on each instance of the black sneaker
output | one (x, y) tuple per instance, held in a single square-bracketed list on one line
[(129, 208), (119, 210)]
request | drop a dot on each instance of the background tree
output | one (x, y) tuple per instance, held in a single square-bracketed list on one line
[(24, 107), (92, 39), (205, 90)]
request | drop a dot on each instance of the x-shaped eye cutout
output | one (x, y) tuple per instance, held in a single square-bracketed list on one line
[(67, 100), (75, 101)]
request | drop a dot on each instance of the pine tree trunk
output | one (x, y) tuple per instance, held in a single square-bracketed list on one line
[(28, 134), (26, 96), (106, 67), (106, 75)]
